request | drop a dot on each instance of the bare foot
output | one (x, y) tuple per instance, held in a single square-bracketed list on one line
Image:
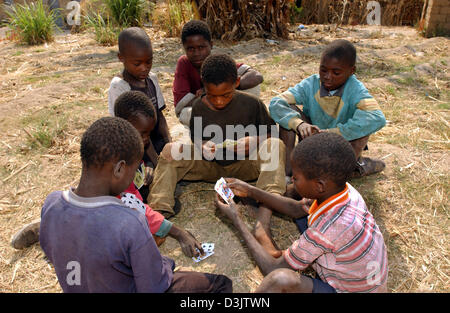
[(266, 241)]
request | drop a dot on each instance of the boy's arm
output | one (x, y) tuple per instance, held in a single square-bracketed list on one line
[(278, 203), (117, 87), (249, 77), (151, 153), (155, 278), (142, 252), (158, 225), (187, 241), (181, 89), (163, 127), (367, 119), (264, 260), (280, 106)]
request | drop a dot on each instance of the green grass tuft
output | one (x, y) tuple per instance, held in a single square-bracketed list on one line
[(32, 23)]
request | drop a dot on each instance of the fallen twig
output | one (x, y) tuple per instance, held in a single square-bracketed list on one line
[(25, 190), (16, 172)]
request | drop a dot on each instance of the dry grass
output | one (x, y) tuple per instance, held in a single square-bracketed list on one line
[(50, 94)]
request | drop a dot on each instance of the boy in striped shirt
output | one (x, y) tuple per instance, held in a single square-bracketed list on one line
[(339, 237)]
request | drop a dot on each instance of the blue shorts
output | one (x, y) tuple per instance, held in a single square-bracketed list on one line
[(319, 286)]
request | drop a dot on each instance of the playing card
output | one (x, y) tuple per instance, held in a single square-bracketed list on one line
[(139, 177), (223, 190), (226, 143), (208, 247), (202, 257), (132, 202)]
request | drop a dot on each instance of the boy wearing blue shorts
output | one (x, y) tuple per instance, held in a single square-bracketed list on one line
[(339, 238)]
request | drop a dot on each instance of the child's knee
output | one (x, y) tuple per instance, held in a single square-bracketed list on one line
[(273, 146), (282, 280), (171, 151)]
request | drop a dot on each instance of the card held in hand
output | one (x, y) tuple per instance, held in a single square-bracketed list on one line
[(223, 190), (208, 248)]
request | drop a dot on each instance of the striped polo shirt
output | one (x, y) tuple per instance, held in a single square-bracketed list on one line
[(343, 244)]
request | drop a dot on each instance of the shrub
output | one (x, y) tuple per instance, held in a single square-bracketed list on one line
[(126, 13), (31, 23), (105, 32), (172, 20)]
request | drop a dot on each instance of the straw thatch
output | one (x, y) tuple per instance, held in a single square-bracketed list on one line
[(393, 12), (234, 20)]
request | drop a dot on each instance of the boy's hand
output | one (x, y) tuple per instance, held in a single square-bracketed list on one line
[(306, 130), (246, 145), (209, 150), (172, 150), (306, 204), (230, 210), (188, 244), (239, 188), (199, 92)]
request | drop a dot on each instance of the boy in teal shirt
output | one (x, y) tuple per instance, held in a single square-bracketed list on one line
[(334, 101)]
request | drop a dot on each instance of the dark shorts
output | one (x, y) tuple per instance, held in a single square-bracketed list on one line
[(319, 286), (196, 282)]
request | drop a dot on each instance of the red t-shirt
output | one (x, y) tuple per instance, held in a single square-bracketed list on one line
[(187, 79)]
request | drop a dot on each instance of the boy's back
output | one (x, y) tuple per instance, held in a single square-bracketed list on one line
[(99, 245), (344, 245)]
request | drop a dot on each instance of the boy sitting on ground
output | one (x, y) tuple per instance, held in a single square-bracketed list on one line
[(333, 101), (187, 84), (136, 54), (339, 236), (137, 109), (89, 229), (249, 156)]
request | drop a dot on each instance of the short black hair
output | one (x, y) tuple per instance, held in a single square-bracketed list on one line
[(325, 155), (110, 139), (195, 27), (341, 49), (132, 103), (133, 37), (219, 68)]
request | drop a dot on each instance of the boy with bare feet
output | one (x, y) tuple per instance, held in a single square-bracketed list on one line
[(230, 132), (339, 237)]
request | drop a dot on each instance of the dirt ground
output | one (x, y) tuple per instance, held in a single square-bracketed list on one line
[(51, 93)]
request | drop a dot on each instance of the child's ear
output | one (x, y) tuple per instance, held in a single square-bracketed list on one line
[(119, 169), (320, 186), (120, 57), (238, 81)]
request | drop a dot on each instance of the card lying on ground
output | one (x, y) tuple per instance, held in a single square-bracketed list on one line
[(223, 190), (208, 248)]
